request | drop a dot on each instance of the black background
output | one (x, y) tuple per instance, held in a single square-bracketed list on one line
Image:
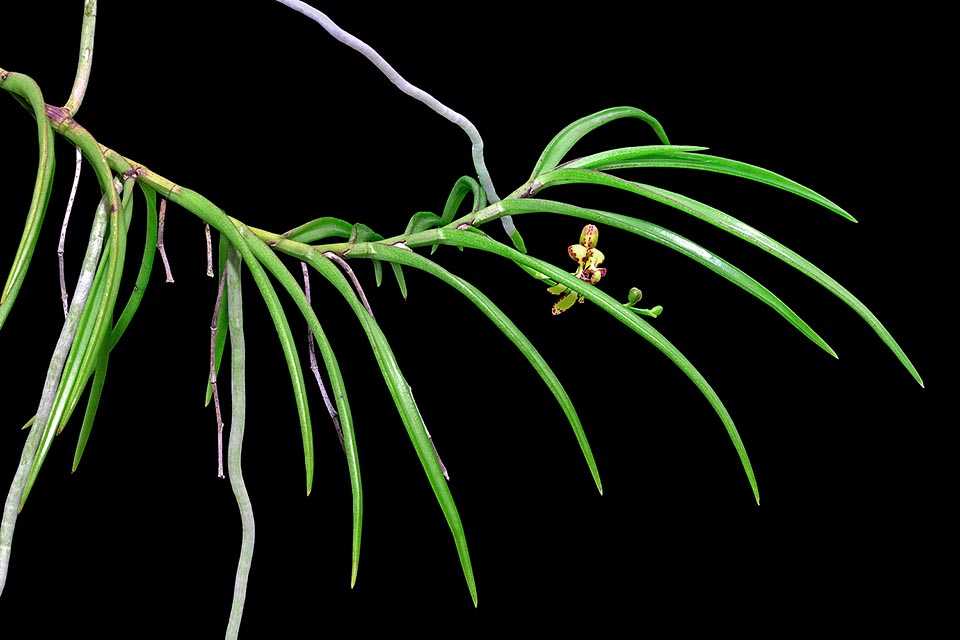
[(277, 123)]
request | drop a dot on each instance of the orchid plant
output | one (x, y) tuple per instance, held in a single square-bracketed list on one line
[(97, 314)]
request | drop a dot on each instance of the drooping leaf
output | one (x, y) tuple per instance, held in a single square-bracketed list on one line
[(622, 314), (26, 88), (338, 390), (753, 236), (406, 405), (681, 245), (254, 253), (500, 319)]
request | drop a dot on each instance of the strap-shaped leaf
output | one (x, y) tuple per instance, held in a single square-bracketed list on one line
[(254, 252), (58, 384), (753, 236), (624, 157), (509, 329), (363, 233), (133, 303), (621, 313), (405, 403), (95, 325), (561, 144), (25, 87), (461, 188), (43, 429), (19, 489), (146, 266), (467, 185), (93, 403), (220, 337), (681, 158), (83, 362), (338, 390), (421, 221), (680, 244), (320, 229)]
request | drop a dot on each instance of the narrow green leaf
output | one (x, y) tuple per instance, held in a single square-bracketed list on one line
[(509, 329), (93, 402), (220, 337), (561, 144), (406, 406), (401, 281), (146, 267), (680, 158), (44, 427), (363, 233), (753, 236), (19, 487), (133, 303), (255, 252), (320, 229), (621, 313), (337, 388), (624, 157), (421, 221), (465, 185), (25, 87), (683, 246), (96, 325)]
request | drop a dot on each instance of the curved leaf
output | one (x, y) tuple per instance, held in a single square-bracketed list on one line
[(561, 144), (753, 236), (338, 390), (26, 88), (43, 429), (220, 337), (680, 158), (421, 221), (465, 185), (94, 327), (146, 266), (509, 329), (404, 401), (93, 403), (254, 252), (133, 303), (621, 313), (683, 246), (320, 229)]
